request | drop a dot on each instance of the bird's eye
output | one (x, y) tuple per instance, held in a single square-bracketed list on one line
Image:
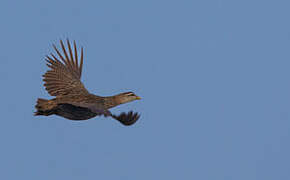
[(129, 94)]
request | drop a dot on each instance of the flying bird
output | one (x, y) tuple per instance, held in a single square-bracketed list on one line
[(72, 100)]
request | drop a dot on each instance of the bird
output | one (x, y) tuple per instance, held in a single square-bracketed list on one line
[(72, 100)]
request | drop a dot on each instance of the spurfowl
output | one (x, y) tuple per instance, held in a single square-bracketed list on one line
[(72, 100)]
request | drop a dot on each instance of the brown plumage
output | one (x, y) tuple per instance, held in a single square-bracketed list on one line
[(73, 101)]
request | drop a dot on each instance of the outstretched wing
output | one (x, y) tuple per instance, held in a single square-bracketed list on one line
[(127, 119), (64, 76)]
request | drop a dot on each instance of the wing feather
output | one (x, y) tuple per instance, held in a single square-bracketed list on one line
[(127, 119), (64, 75)]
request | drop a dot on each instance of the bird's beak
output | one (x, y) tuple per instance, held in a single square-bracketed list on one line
[(138, 98)]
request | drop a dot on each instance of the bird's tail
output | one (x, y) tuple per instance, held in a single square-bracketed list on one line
[(44, 107)]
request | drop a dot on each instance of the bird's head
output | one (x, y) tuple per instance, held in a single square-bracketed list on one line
[(127, 97)]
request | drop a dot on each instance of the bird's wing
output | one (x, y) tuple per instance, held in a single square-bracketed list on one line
[(127, 119), (95, 108), (64, 75)]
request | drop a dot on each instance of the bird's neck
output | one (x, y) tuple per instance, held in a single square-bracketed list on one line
[(112, 101)]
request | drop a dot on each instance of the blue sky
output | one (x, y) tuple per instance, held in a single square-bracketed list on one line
[(214, 77)]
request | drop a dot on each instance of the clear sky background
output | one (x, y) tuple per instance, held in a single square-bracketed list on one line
[(214, 76)]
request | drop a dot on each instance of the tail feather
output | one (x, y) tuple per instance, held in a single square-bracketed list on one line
[(44, 107)]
